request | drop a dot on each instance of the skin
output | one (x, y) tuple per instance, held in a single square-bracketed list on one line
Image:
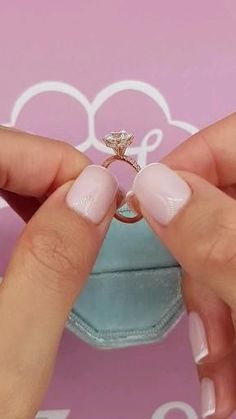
[(49, 266), (50, 263), (202, 237)]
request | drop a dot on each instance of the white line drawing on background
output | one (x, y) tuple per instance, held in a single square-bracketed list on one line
[(162, 411), (53, 414), (92, 107)]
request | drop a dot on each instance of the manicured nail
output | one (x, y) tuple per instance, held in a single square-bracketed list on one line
[(1, 279), (197, 336), (161, 192), (92, 193), (208, 397), (131, 201)]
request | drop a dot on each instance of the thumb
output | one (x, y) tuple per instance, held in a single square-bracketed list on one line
[(51, 261), (196, 221)]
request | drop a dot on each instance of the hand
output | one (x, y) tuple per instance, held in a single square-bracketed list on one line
[(67, 221), (192, 209)]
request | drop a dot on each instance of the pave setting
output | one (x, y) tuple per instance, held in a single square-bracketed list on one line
[(119, 141)]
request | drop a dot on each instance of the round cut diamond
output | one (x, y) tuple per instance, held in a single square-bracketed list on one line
[(118, 141)]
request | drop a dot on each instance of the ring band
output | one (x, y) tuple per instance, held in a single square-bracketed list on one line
[(119, 141)]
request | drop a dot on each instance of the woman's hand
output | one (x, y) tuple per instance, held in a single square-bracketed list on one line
[(67, 221), (192, 209)]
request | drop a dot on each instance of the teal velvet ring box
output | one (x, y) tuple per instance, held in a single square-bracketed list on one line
[(133, 295)]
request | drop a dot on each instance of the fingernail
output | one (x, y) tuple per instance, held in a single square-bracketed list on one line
[(197, 337), (208, 397), (161, 192), (1, 279), (130, 199), (92, 193)]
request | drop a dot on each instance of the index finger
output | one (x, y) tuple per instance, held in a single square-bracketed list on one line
[(31, 165), (210, 153)]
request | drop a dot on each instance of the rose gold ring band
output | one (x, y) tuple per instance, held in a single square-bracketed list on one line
[(119, 141)]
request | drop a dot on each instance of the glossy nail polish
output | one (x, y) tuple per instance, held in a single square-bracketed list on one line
[(208, 398), (197, 336), (161, 192), (92, 193)]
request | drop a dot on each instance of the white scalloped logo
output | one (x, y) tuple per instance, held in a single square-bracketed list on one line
[(160, 413), (91, 108)]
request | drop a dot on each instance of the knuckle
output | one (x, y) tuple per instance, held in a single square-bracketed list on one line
[(221, 253), (64, 147), (50, 254), (68, 150)]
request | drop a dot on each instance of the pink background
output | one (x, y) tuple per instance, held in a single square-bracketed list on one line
[(186, 50)]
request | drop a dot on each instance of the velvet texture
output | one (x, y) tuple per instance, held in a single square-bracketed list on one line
[(133, 295)]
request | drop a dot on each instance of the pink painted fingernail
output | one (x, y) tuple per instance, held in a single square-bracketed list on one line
[(197, 336), (161, 192), (208, 397), (92, 193)]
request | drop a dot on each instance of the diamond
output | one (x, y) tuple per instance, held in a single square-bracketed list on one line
[(118, 141)]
